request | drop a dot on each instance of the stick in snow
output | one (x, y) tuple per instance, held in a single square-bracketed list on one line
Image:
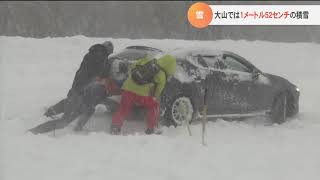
[(204, 122), (204, 117), (188, 127)]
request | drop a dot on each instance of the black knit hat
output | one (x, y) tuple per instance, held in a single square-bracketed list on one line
[(109, 46)]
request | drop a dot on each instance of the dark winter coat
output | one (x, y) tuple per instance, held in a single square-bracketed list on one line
[(92, 66)]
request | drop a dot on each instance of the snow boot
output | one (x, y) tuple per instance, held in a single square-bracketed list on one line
[(55, 109), (50, 113), (150, 131), (115, 130)]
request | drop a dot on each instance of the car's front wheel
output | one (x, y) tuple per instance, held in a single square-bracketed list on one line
[(179, 111), (279, 109)]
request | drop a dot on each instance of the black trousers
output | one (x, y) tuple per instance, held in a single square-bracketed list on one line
[(74, 106)]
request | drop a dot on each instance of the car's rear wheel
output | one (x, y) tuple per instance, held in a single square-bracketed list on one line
[(179, 111), (279, 109)]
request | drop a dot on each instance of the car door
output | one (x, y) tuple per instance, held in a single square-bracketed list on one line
[(252, 90), (261, 94), (218, 88), (240, 83)]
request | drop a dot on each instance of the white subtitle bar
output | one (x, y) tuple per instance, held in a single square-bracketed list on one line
[(265, 14)]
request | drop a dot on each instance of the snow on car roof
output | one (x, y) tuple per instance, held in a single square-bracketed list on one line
[(183, 52), (144, 48), (136, 52)]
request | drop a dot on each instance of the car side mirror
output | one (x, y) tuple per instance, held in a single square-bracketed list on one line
[(256, 74)]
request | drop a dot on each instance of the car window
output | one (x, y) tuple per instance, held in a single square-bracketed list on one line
[(202, 61), (233, 64), (209, 62)]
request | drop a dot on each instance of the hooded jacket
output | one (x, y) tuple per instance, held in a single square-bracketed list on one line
[(167, 64), (92, 65)]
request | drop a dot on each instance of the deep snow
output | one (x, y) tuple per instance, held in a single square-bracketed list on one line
[(38, 72)]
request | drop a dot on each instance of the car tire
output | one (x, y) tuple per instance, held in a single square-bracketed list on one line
[(179, 111), (279, 109)]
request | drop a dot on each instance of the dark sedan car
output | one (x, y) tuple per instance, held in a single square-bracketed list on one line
[(234, 87)]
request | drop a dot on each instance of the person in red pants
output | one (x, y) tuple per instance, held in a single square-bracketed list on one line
[(128, 100), (145, 95)]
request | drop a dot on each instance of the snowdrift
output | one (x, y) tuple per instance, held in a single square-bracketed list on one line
[(38, 72)]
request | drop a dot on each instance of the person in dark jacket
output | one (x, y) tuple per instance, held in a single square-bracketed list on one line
[(92, 65), (81, 104)]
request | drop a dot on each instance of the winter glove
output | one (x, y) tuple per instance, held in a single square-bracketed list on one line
[(157, 99)]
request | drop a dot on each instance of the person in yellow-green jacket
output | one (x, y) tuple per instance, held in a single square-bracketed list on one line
[(146, 95)]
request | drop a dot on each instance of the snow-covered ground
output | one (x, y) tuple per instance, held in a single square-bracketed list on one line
[(36, 73)]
